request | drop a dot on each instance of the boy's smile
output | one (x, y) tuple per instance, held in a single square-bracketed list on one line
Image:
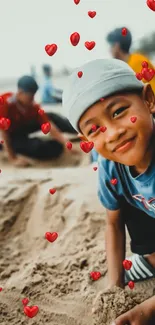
[(124, 141)]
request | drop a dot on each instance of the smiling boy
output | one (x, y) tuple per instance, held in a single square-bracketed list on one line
[(126, 162)]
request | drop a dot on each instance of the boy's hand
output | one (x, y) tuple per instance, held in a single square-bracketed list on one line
[(143, 314)]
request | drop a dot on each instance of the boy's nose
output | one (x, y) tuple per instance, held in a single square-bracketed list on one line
[(113, 134)]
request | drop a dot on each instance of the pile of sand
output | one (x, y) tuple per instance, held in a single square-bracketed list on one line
[(55, 276)]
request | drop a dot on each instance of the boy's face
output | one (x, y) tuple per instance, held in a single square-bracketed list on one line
[(115, 113), (25, 98)]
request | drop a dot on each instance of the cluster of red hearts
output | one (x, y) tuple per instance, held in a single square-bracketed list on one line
[(151, 4), (74, 38), (146, 73)]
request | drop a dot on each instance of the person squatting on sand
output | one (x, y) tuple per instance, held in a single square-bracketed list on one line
[(125, 141), (22, 111)]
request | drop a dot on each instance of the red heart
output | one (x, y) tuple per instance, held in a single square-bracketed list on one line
[(31, 311), (76, 2), (94, 127), (4, 123), (69, 145), (127, 265), (75, 38), (51, 49), (90, 45), (145, 64), (131, 284), (91, 14), (51, 236), (2, 141), (1, 100), (80, 74), (25, 301), (1, 289), (151, 4), (86, 146), (95, 275), (124, 31), (103, 128), (114, 181), (95, 168), (0, 171), (52, 190), (139, 76), (41, 112), (102, 99), (148, 74), (133, 119), (46, 127)]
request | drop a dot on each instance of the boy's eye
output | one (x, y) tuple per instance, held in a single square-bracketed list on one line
[(118, 111)]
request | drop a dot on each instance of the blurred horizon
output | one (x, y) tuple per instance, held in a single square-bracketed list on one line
[(26, 27)]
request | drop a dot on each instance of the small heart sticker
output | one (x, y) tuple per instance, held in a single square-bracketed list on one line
[(52, 190), (51, 236), (31, 311), (1, 100), (145, 64), (91, 14), (86, 146), (133, 119), (114, 181), (75, 38), (95, 168), (1, 289), (51, 49), (46, 127), (131, 284), (25, 301), (148, 74), (41, 112), (69, 145), (4, 123), (94, 127), (151, 4), (139, 76), (103, 128), (95, 275), (127, 265), (90, 45), (76, 2), (124, 31), (80, 74)]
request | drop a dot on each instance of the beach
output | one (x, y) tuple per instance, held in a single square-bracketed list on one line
[(56, 276)]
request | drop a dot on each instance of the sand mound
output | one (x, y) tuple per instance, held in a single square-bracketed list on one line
[(54, 276)]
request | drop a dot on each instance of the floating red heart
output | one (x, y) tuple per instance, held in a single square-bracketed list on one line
[(51, 236), (1, 100), (46, 127), (31, 311), (95, 168), (4, 123), (2, 141), (51, 49), (25, 301), (114, 181), (94, 127), (75, 38), (131, 284), (41, 112), (103, 128), (151, 4), (124, 31), (69, 145), (139, 76), (90, 45), (86, 146), (76, 2), (148, 74), (127, 265), (133, 119), (1, 289), (80, 74), (102, 99), (145, 64), (95, 275), (91, 14), (52, 190)]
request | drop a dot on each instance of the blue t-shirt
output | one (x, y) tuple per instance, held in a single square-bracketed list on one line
[(138, 191)]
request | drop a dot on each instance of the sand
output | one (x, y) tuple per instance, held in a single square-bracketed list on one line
[(56, 276)]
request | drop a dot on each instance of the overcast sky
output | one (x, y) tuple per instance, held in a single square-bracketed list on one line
[(26, 26)]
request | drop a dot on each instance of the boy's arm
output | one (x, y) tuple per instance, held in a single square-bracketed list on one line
[(115, 248)]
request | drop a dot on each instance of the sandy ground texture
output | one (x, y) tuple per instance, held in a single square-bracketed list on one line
[(56, 276)]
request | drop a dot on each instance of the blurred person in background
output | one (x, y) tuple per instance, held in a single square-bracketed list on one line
[(22, 111), (49, 94)]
